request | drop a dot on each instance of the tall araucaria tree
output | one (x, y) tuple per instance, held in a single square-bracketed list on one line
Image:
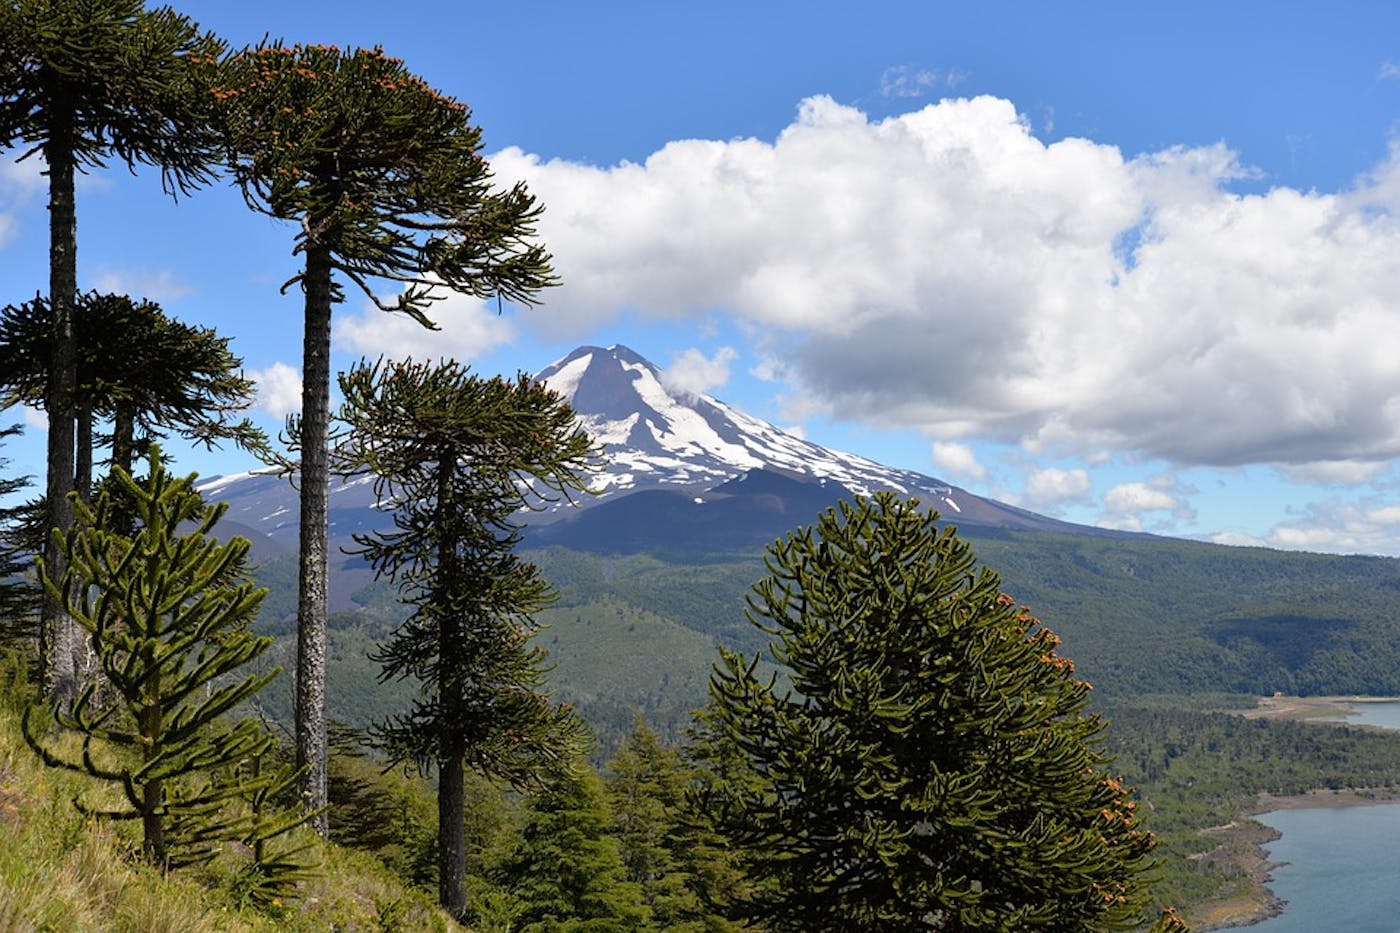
[(137, 367), (168, 609), (454, 458), (382, 176), (83, 82), (930, 764)]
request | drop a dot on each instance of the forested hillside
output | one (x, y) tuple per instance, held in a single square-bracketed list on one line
[(1138, 615), (1177, 637), (759, 685)]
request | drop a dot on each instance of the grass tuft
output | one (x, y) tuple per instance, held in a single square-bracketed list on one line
[(60, 870)]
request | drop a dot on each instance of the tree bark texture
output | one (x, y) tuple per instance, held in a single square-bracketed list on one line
[(311, 593), (153, 825), (82, 457), (153, 795), (123, 436), (60, 632), (452, 835), (452, 838)]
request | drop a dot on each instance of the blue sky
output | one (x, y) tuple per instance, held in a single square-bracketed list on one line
[(1126, 266)]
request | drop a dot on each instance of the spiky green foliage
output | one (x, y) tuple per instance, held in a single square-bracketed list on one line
[(83, 82), (136, 366), (453, 457), (18, 603), (566, 873), (930, 766), (167, 612), (672, 855), (278, 862), (106, 79), (383, 176), (382, 170)]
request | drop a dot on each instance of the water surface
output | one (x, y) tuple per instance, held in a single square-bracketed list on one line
[(1343, 872), (1344, 862), (1383, 713)]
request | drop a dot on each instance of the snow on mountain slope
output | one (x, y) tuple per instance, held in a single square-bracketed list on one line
[(654, 436), (657, 438)]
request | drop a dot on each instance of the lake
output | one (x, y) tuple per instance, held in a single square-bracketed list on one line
[(1343, 870), (1383, 713)]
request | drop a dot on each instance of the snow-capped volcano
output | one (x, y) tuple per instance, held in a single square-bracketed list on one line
[(677, 467), (656, 436)]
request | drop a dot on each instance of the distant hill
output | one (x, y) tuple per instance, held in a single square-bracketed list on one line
[(685, 472), (751, 509), (654, 569), (638, 632)]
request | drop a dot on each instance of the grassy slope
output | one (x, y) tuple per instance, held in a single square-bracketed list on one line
[(60, 871)]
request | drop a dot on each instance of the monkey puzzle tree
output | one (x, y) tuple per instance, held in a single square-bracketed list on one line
[(931, 766), (135, 365), (453, 457), (167, 610), (83, 82), (383, 177)]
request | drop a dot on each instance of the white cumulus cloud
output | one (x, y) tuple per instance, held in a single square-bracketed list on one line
[(467, 328), (947, 270), (1137, 497), (1370, 526), (694, 373), (21, 185), (1126, 505), (958, 460), (279, 389), (1051, 486), (160, 285)]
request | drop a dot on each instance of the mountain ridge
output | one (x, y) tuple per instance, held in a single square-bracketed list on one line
[(657, 438), (691, 452)]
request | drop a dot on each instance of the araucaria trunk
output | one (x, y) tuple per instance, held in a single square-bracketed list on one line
[(311, 595), (452, 840), (60, 633), (452, 835)]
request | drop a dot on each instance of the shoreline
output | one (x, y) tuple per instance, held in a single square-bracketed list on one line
[(1241, 841), (1310, 708), (1324, 799)]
